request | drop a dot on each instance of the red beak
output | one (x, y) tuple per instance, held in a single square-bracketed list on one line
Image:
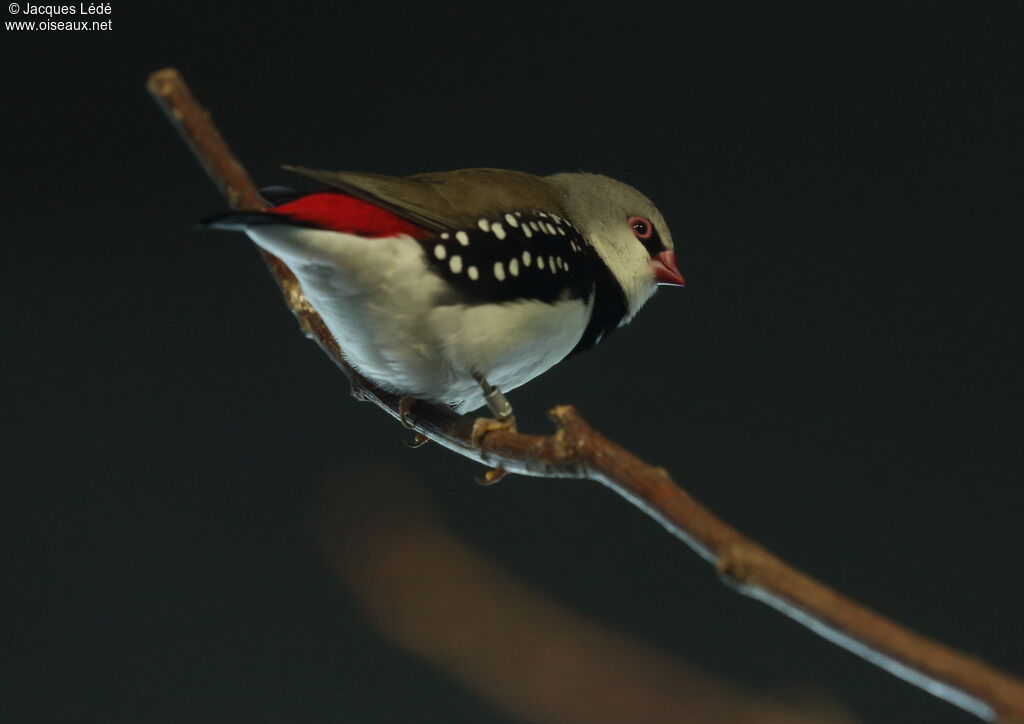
[(666, 271)]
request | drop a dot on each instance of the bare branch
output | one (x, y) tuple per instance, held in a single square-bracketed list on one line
[(576, 450)]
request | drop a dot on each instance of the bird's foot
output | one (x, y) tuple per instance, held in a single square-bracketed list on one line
[(498, 404), (503, 419), (483, 426), (417, 440)]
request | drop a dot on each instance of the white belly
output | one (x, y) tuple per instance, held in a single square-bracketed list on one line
[(390, 315)]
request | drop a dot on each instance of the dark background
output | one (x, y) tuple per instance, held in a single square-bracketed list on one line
[(841, 379)]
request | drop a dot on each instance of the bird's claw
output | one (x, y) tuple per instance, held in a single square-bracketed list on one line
[(417, 440), (492, 476), (404, 408), (482, 427)]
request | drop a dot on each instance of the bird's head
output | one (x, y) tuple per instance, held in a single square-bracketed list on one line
[(626, 230)]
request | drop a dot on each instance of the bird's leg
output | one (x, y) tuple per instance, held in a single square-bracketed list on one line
[(499, 406), (503, 419), (496, 401)]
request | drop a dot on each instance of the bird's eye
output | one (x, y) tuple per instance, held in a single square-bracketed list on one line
[(642, 227)]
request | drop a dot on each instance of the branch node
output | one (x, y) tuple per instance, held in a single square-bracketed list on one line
[(738, 562)]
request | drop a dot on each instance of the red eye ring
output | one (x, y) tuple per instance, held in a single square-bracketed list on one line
[(642, 228)]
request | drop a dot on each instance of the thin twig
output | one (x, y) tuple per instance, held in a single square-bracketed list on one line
[(576, 450)]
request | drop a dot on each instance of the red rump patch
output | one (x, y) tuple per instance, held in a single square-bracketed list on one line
[(336, 211)]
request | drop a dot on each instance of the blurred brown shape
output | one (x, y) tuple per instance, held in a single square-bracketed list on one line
[(430, 593)]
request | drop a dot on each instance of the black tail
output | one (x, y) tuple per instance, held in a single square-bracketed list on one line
[(239, 220), (277, 195)]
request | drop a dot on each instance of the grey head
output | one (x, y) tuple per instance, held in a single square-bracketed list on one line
[(625, 228)]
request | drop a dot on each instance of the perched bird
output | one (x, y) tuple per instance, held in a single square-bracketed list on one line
[(450, 287)]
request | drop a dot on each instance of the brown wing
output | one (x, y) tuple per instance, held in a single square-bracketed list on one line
[(445, 200)]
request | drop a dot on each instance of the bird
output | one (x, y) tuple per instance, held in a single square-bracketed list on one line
[(455, 287)]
